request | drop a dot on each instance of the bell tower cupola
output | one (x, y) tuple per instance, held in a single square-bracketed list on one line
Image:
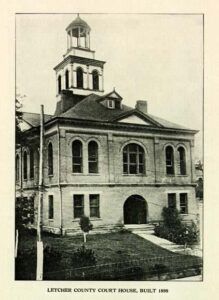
[(79, 71), (78, 34)]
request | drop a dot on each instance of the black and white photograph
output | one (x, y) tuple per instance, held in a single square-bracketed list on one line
[(109, 147)]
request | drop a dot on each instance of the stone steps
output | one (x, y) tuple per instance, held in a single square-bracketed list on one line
[(141, 228)]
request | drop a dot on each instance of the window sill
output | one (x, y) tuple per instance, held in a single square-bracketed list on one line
[(87, 174), (51, 220), (138, 175), (184, 215), (93, 174), (91, 219), (50, 175), (186, 175)]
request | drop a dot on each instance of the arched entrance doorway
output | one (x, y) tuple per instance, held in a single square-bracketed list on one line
[(135, 210)]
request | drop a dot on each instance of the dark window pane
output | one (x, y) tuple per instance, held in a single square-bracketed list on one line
[(125, 168), (172, 200), (51, 209), (125, 157), (133, 159), (25, 165), (77, 157), (78, 206), (141, 158), (17, 164), (93, 167), (92, 157), (133, 169), (80, 81), (141, 168), (59, 84), (132, 148), (95, 78), (50, 159), (169, 161), (182, 161), (77, 168), (67, 79), (31, 164), (94, 206), (183, 204)]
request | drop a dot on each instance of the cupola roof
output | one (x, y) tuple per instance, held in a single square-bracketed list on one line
[(78, 22)]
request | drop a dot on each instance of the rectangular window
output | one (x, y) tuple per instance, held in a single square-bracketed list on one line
[(172, 200), (183, 198), (51, 207), (31, 164), (111, 103), (78, 206), (94, 206)]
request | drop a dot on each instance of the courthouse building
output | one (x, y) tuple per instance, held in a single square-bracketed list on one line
[(101, 158)]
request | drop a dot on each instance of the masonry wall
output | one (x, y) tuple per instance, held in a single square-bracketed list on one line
[(110, 183), (112, 201)]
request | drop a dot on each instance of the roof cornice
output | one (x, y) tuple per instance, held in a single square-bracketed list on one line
[(112, 125), (80, 60)]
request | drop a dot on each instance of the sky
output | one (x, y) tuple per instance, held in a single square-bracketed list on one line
[(152, 57)]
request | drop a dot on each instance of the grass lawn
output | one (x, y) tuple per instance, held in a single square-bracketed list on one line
[(108, 248)]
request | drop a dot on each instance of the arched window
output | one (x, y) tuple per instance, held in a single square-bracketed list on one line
[(17, 165), (133, 159), (169, 160), (80, 81), (67, 79), (95, 78), (50, 159), (25, 166), (182, 161), (59, 84), (93, 157), (77, 157), (31, 163)]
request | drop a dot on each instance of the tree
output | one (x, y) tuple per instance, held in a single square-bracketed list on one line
[(85, 225), (18, 119), (24, 212)]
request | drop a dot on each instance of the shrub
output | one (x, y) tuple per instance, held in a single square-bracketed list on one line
[(83, 257), (162, 231), (25, 264), (85, 225), (171, 217), (51, 258), (174, 230)]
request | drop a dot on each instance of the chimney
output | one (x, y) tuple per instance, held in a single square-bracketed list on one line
[(67, 100), (142, 106)]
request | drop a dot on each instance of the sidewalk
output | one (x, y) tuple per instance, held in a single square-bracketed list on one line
[(167, 244), (192, 278)]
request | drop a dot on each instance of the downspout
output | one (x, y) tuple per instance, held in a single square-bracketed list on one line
[(155, 166), (59, 179)]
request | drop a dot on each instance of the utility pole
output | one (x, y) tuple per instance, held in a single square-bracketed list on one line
[(39, 271)]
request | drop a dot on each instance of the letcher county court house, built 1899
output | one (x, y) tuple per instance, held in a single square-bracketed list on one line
[(116, 164)]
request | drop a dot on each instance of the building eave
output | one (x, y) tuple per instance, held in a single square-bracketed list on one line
[(80, 60), (114, 126)]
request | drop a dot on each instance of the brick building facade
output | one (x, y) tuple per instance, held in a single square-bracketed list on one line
[(116, 164)]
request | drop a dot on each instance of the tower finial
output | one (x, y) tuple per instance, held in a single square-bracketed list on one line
[(78, 15)]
